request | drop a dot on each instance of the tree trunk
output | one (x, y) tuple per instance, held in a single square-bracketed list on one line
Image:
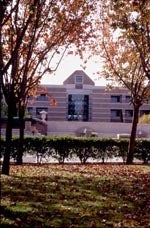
[(1, 97), (21, 138), (6, 161), (131, 147)]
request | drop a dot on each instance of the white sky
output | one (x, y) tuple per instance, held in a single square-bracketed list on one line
[(68, 65)]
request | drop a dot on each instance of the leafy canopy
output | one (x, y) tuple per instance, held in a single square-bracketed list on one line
[(33, 33)]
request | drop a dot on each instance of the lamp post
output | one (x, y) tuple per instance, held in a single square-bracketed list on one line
[(43, 114), (84, 131)]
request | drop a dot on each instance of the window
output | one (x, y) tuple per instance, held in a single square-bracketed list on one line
[(79, 79), (115, 99), (30, 110), (78, 107), (128, 113), (128, 99), (116, 115), (30, 97), (42, 97), (146, 112)]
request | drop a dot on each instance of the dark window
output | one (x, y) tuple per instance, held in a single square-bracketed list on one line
[(128, 113), (30, 110), (78, 107), (31, 100), (42, 97), (128, 99), (146, 112), (30, 97), (79, 79), (116, 115), (115, 99), (78, 82)]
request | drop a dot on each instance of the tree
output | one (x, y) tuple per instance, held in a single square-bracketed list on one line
[(3, 108), (145, 119), (32, 33), (124, 38), (127, 71), (132, 18)]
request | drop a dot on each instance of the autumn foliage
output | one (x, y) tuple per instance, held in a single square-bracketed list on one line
[(32, 34), (76, 196), (123, 47)]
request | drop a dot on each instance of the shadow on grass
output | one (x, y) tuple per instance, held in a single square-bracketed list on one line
[(77, 198)]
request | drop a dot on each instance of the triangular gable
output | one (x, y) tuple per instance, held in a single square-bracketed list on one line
[(72, 78)]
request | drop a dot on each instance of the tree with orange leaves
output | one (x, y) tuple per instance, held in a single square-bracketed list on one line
[(32, 33), (132, 19), (123, 35)]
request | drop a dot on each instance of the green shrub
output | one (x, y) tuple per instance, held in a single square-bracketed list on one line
[(122, 145), (62, 147), (39, 146), (105, 148), (84, 149), (142, 150), (66, 148)]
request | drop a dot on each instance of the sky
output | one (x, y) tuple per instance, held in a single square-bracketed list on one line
[(71, 63)]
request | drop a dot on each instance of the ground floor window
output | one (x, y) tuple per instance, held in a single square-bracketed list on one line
[(144, 112), (128, 113), (116, 115)]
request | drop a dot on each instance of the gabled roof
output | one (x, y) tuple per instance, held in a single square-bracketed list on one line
[(86, 79)]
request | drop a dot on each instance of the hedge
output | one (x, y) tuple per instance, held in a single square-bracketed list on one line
[(67, 148)]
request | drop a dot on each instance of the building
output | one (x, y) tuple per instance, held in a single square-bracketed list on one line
[(78, 99), (83, 107)]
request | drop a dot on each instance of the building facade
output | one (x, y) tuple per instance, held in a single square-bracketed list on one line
[(78, 99)]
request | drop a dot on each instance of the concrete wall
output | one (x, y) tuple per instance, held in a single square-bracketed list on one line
[(104, 129)]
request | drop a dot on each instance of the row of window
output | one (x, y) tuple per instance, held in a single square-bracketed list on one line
[(117, 115), (128, 113), (78, 108), (114, 98), (118, 99), (81, 112)]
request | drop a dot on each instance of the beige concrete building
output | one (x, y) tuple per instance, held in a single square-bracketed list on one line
[(78, 99)]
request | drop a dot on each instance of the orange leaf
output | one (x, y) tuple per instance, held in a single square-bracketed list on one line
[(53, 102)]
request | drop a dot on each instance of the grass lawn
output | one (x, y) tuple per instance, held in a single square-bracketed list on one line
[(72, 196)]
